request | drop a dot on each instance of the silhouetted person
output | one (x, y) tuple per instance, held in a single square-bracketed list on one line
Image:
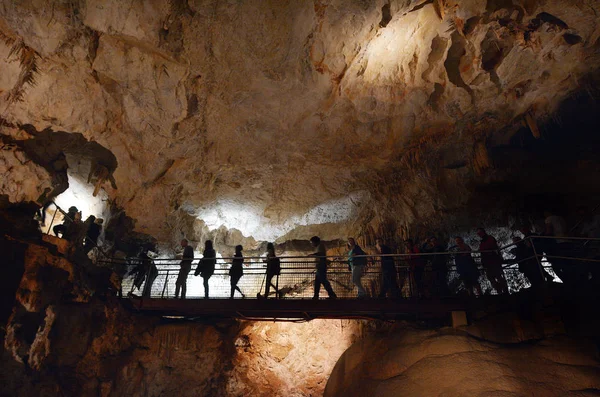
[(236, 272), (528, 265), (65, 228), (151, 273), (273, 269), (439, 267), (186, 267), (357, 264), (206, 266), (90, 240), (389, 282), (321, 265), (417, 267), (466, 267), (492, 261)]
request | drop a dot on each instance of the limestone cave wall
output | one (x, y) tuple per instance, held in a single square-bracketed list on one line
[(285, 119)]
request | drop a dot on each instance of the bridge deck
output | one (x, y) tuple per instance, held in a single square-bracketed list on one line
[(300, 309)]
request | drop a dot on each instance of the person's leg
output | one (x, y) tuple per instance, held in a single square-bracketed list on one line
[(268, 285), (385, 284), (179, 282), (398, 281), (183, 289), (317, 286), (327, 284), (356, 279), (233, 288), (206, 287)]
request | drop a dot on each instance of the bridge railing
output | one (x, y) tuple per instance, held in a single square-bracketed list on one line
[(297, 276)]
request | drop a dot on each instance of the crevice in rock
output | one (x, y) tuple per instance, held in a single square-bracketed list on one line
[(492, 54), (471, 24), (435, 96), (495, 5), (452, 64), (550, 19), (386, 15), (93, 44), (192, 105), (438, 49), (572, 39), (418, 7)]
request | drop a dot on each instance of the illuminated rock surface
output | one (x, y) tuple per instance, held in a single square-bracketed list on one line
[(413, 362), (276, 120), (272, 116)]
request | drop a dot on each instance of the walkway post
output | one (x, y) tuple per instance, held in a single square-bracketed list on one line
[(52, 221), (537, 258), (162, 295)]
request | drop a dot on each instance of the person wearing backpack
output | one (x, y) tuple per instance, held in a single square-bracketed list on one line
[(321, 265), (273, 269), (357, 264)]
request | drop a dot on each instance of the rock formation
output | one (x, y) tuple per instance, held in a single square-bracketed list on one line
[(413, 362), (270, 117), (256, 121)]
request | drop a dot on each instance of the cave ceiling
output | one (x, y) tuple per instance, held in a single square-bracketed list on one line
[(282, 113)]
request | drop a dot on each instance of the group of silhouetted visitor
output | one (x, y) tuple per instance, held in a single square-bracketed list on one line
[(424, 267), (84, 234)]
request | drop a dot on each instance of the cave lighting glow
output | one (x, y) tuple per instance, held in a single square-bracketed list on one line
[(79, 194), (249, 219)]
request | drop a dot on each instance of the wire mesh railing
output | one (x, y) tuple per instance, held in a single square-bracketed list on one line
[(297, 277)]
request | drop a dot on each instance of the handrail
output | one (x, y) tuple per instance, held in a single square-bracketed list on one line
[(337, 258)]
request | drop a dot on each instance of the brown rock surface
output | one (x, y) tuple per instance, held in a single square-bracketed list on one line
[(287, 114), (412, 362), (75, 344)]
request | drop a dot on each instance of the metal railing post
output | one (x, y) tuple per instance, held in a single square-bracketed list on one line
[(52, 222), (537, 258), (162, 295)]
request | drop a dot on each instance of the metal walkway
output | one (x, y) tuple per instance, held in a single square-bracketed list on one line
[(418, 294), (299, 309)]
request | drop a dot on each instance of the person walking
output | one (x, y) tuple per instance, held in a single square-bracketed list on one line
[(206, 266), (439, 267), (321, 266), (185, 268), (389, 282), (491, 259), (93, 230), (466, 267), (273, 269), (236, 272), (151, 273), (417, 268), (357, 264)]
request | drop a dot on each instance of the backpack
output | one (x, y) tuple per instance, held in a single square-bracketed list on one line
[(274, 266)]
